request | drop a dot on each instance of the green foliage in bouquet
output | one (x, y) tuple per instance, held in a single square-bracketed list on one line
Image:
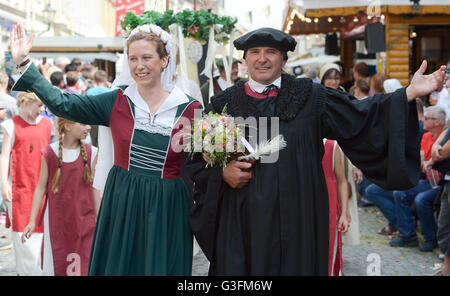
[(195, 23), (218, 138)]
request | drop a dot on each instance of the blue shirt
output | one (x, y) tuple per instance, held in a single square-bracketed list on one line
[(93, 91)]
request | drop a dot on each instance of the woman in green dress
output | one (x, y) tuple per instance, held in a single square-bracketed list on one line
[(142, 227)]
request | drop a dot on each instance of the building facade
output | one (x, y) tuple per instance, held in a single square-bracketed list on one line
[(48, 18)]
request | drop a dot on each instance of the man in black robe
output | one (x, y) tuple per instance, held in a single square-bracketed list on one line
[(272, 218)]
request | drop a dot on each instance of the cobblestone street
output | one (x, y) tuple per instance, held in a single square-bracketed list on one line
[(393, 261)]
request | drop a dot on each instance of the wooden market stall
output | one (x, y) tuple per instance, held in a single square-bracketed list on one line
[(411, 32), (101, 52)]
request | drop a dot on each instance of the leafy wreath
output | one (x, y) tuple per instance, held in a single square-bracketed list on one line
[(195, 23)]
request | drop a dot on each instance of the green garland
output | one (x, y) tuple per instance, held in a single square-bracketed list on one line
[(195, 23)]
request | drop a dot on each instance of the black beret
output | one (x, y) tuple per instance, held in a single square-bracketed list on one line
[(266, 37)]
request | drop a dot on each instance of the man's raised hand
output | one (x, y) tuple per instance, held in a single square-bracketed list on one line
[(422, 85)]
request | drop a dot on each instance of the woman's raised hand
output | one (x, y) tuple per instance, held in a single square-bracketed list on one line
[(20, 46)]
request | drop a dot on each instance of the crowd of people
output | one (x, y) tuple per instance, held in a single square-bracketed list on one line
[(404, 209), (140, 220)]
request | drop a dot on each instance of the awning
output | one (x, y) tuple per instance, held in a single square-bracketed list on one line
[(85, 48), (314, 4), (76, 43), (84, 56), (314, 17)]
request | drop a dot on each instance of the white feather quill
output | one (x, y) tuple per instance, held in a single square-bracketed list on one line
[(266, 148)]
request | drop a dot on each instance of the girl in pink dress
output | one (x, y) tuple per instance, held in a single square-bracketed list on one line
[(69, 219)]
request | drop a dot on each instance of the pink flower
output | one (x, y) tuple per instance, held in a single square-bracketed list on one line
[(204, 125), (193, 29)]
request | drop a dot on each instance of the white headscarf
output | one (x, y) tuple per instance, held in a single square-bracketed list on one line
[(327, 67), (106, 147), (166, 76)]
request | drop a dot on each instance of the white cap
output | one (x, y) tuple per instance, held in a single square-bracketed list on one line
[(391, 85), (62, 60)]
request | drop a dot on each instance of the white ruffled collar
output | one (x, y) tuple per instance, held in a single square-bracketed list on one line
[(260, 88), (175, 98)]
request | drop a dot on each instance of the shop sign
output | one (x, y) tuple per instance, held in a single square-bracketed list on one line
[(355, 25), (124, 6)]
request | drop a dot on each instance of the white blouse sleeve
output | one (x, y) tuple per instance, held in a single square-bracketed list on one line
[(105, 159), (93, 155), (8, 126)]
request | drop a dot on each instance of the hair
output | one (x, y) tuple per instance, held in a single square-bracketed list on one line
[(419, 105), (87, 71), (151, 37), (352, 90), (26, 97), (362, 69), (438, 112), (100, 76), (376, 82), (70, 68), (88, 84), (87, 174), (76, 61), (363, 86), (56, 78), (72, 78)]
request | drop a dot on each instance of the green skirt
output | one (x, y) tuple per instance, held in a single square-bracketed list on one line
[(142, 227)]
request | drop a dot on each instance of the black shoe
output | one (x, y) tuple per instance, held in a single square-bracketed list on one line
[(402, 242), (428, 246), (364, 203)]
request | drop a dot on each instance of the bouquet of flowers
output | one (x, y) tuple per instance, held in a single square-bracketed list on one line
[(221, 140), (217, 137)]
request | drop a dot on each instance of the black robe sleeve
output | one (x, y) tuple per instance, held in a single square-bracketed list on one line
[(379, 134), (203, 213)]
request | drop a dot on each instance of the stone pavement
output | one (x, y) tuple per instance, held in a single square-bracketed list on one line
[(7, 260), (357, 262)]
